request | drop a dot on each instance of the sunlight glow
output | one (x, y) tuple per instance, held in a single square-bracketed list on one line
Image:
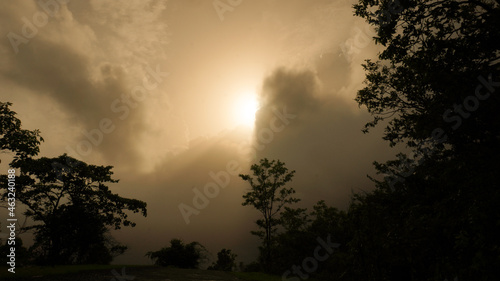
[(245, 108)]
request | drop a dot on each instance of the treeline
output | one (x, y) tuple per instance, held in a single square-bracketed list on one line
[(429, 226), (416, 229)]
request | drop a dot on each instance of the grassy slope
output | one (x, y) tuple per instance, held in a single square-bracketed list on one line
[(257, 276), (136, 273), (44, 271)]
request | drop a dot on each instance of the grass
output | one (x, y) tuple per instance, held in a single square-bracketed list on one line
[(105, 273), (35, 271), (257, 276), (138, 272)]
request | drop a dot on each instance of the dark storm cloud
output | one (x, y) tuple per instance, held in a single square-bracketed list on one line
[(293, 89), (64, 75), (323, 142), (83, 73)]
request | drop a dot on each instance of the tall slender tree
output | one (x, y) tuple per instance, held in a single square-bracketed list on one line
[(268, 195)]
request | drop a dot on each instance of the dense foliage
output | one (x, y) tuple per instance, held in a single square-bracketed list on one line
[(68, 200), (24, 143), (435, 84), (72, 208)]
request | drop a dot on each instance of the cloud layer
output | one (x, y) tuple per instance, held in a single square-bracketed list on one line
[(148, 87)]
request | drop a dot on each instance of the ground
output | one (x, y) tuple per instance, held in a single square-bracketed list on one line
[(129, 273)]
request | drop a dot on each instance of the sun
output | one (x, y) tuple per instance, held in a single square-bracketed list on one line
[(245, 108)]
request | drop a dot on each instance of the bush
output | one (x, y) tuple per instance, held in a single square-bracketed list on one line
[(225, 261), (179, 254)]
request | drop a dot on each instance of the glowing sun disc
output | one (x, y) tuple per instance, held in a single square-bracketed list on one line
[(245, 109)]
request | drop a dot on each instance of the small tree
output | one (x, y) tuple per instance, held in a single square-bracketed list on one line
[(268, 195), (179, 254), (226, 261)]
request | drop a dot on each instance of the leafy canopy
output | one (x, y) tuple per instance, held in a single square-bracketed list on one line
[(436, 55), (24, 143), (72, 208), (47, 185)]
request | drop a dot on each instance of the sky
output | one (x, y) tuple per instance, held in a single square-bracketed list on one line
[(181, 96)]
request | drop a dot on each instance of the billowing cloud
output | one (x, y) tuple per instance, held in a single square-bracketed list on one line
[(321, 139), (80, 65), (149, 87)]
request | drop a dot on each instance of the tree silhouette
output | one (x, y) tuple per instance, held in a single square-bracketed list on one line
[(73, 208), (23, 143), (179, 254), (436, 55), (226, 261), (435, 83), (268, 195)]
